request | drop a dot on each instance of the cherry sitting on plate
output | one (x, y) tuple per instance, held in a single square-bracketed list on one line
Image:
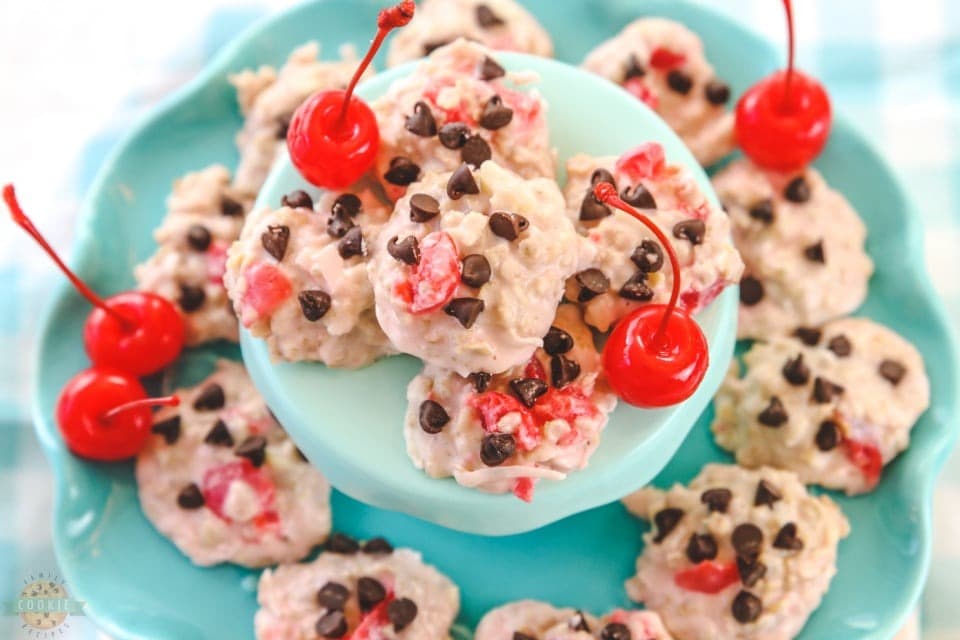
[(657, 355), (783, 121), (333, 137), (139, 333), (104, 414)]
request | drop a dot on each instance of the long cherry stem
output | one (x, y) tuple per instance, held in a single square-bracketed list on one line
[(787, 85), (166, 401), (388, 20), (19, 217), (607, 193)]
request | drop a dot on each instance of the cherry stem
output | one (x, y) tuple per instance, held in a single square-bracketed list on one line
[(786, 106), (19, 217), (607, 193), (166, 401), (388, 20)]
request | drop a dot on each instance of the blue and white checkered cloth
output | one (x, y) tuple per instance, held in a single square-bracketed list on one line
[(892, 67)]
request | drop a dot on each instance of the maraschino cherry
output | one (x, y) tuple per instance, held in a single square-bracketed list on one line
[(783, 121), (657, 355), (333, 137), (104, 414), (136, 332)]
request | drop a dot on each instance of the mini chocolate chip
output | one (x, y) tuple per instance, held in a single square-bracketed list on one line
[(402, 171), (298, 199), (796, 372), (433, 417), (423, 207), (679, 81), (351, 244), (430, 47), (666, 521), (507, 225), (692, 230), (198, 237), (342, 544), (762, 211), (210, 398), (825, 391), (602, 175), (634, 69), (519, 635), (191, 297), (495, 114), (475, 270), (465, 310), (814, 253), (593, 209), (169, 429), (648, 256), (766, 494), (401, 613), (332, 624), (314, 304), (347, 205), (787, 538), (701, 546), (454, 135), (339, 226), (486, 18), (840, 346), (557, 341), (230, 207), (490, 69), (809, 336), (496, 448), (636, 288), (219, 435), (717, 92), (892, 371), (828, 435), (751, 570), (190, 497), (639, 197), (275, 240), (461, 183), (406, 251), (421, 122), (616, 631), (751, 291), (563, 371), (283, 128), (746, 607), (578, 622), (475, 151), (254, 449), (480, 380), (774, 415), (377, 546), (333, 596), (717, 499), (370, 592), (747, 540), (797, 190), (528, 390), (592, 283)]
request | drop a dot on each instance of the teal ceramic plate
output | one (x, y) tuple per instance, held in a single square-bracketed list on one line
[(137, 585)]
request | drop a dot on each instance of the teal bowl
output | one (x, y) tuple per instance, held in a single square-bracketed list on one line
[(137, 585)]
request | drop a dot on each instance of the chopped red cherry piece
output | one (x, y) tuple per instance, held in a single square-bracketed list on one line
[(374, 620), (657, 355), (216, 486), (565, 404), (534, 369), (333, 136), (136, 332), (664, 59), (641, 91), (434, 280), (104, 414), (707, 576), (641, 163), (523, 489), (493, 405), (783, 121), (267, 289), (865, 457)]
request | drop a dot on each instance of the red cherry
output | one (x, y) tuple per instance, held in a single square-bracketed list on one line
[(136, 332), (333, 136), (657, 356), (664, 59), (434, 280), (267, 289), (707, 576), (783, 121), (865, 457), (104, 414)]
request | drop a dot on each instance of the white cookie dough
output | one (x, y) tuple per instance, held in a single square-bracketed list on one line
[(771, 546), (499, 24), (634, 265), (298, 278), (662, 63), (222, 480), (838, 439), (428, 311), (484, 118), (480, 431), (803, 245), (383, 595), (533, 620), (204, 216), (268, 99)]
